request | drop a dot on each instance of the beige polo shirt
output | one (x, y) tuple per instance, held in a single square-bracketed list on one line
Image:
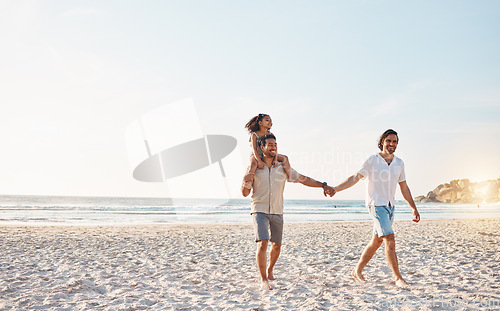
[(268, 187)]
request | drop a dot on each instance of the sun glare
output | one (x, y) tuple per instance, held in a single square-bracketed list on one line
[(483, 191)]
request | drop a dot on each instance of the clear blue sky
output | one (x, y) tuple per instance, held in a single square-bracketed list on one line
[(333, 75)]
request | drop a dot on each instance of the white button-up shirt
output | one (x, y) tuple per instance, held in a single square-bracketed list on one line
[(382, 179)]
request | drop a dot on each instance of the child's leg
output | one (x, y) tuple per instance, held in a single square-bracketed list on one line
[(250, 174), (286, 164)]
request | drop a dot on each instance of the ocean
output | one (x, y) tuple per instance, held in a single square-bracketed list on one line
[(59, 210)]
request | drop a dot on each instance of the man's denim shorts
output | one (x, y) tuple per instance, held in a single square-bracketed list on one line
[(383, 217), (263, 223)]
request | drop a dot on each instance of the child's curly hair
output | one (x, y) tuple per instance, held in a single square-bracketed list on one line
[(253, 124)]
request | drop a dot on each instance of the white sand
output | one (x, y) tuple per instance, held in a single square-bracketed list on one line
[(451, 264)]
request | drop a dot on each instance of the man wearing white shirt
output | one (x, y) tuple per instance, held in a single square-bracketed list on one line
[(384, 171)]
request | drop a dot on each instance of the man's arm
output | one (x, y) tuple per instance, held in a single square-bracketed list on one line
[(408, 197), (246, 186), (308, 181), (348, 183)]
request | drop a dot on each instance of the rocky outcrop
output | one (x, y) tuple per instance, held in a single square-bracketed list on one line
[(463, 191)]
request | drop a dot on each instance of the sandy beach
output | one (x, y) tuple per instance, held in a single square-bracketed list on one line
[(451, 264)]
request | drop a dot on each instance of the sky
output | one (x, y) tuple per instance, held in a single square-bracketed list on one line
[(333, 75)]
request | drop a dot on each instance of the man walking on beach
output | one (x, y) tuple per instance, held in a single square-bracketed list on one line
[(267, 205), (384, 172)]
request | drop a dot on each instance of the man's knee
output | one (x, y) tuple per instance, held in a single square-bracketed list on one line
[(275, 246), (389, 240), (389, 237), (262, 245), (376, 240)]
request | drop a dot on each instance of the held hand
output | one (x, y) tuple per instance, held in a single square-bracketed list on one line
[(332, 191), (327, 190), (260, 165), (416, 216)]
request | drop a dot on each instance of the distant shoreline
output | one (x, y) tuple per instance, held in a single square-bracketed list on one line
[(228, 224)]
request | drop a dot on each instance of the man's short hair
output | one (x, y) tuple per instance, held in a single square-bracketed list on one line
[(384, 136), (262, 139)]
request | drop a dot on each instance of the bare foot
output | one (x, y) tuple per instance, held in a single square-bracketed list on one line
[(270, 275), (402, 284), (265, 285), (358, 276)]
